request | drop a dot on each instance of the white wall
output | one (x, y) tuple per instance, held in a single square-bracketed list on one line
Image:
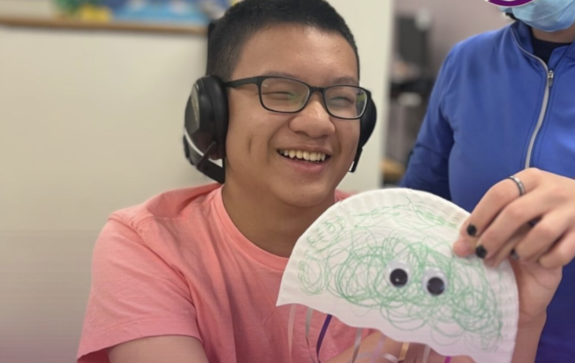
[(91, 122), (371, 22)]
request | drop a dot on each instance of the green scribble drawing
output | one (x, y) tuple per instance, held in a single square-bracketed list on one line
[(350, 257)]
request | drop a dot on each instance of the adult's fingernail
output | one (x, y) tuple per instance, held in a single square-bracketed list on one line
[(480, 251), (461, 248), (471, 230)]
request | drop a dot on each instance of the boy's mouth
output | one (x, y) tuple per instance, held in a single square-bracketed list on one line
[(313, 157)]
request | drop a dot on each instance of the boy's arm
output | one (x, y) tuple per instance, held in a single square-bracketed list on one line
[(161, 349), (182, 349), (526, 344), (368, 345)]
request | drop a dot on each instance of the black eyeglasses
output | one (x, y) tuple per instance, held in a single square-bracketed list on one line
[(287, 95)]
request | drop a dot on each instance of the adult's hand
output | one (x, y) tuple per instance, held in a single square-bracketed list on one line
[(536, 198)]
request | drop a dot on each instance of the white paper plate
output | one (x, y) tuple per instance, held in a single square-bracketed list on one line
[(344, 263)]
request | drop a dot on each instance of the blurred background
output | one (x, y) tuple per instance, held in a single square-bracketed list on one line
[(92, 97)]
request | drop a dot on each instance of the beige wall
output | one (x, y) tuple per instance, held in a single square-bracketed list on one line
[(89, 123)]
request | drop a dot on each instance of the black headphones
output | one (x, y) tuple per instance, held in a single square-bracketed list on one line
[(206, 127)]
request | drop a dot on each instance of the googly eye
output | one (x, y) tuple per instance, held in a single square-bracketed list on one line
[(397, 274), (434, 282)]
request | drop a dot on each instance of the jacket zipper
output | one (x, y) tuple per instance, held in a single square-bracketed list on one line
[(550, 78)]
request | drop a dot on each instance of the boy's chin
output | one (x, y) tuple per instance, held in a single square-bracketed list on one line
[(307, 197)]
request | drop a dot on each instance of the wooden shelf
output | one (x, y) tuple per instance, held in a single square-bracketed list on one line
[(392, 170), (60, 24)]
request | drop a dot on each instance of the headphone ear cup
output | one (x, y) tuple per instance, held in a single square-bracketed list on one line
[(216, 91), (367, 123), (366, 127), (206, 118)]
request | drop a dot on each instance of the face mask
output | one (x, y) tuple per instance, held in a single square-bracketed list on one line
[(546, 15)]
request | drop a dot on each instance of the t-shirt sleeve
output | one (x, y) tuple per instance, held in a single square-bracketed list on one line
[(135, 292)]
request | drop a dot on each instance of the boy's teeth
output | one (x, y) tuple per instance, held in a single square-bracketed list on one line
[(303, 155)]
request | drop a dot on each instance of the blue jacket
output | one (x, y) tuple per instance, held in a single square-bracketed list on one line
[(495, 110)]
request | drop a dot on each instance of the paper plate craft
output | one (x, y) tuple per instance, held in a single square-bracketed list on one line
[(383, 260)]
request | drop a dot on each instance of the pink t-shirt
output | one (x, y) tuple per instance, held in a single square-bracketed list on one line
[(177, 265)]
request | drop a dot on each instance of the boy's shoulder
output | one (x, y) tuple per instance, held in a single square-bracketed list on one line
[(170, 205), (341, 195), (187, 205)]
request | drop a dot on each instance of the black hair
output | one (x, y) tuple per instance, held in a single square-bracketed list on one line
[(229, 34)]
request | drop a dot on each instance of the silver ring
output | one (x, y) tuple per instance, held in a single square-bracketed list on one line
[(519, 184)]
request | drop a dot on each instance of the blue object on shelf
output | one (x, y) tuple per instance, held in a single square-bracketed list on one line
[(160, 11)]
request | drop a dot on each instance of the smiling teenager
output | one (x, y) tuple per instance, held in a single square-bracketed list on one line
[(193, 275)]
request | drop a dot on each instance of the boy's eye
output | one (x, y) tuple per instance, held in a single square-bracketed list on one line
[(341, 101), (280, 94)]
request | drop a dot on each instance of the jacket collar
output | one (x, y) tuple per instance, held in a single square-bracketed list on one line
[(522, 33)]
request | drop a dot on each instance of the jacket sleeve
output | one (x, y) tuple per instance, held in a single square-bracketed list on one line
[(428, 166)]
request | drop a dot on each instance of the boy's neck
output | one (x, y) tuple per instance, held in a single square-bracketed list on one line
[(562, 36), (269, 223)]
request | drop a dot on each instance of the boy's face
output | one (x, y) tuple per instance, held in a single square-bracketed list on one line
[(257, 137)]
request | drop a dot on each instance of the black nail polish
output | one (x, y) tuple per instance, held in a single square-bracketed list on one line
[(471, 230), (480, 251)]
